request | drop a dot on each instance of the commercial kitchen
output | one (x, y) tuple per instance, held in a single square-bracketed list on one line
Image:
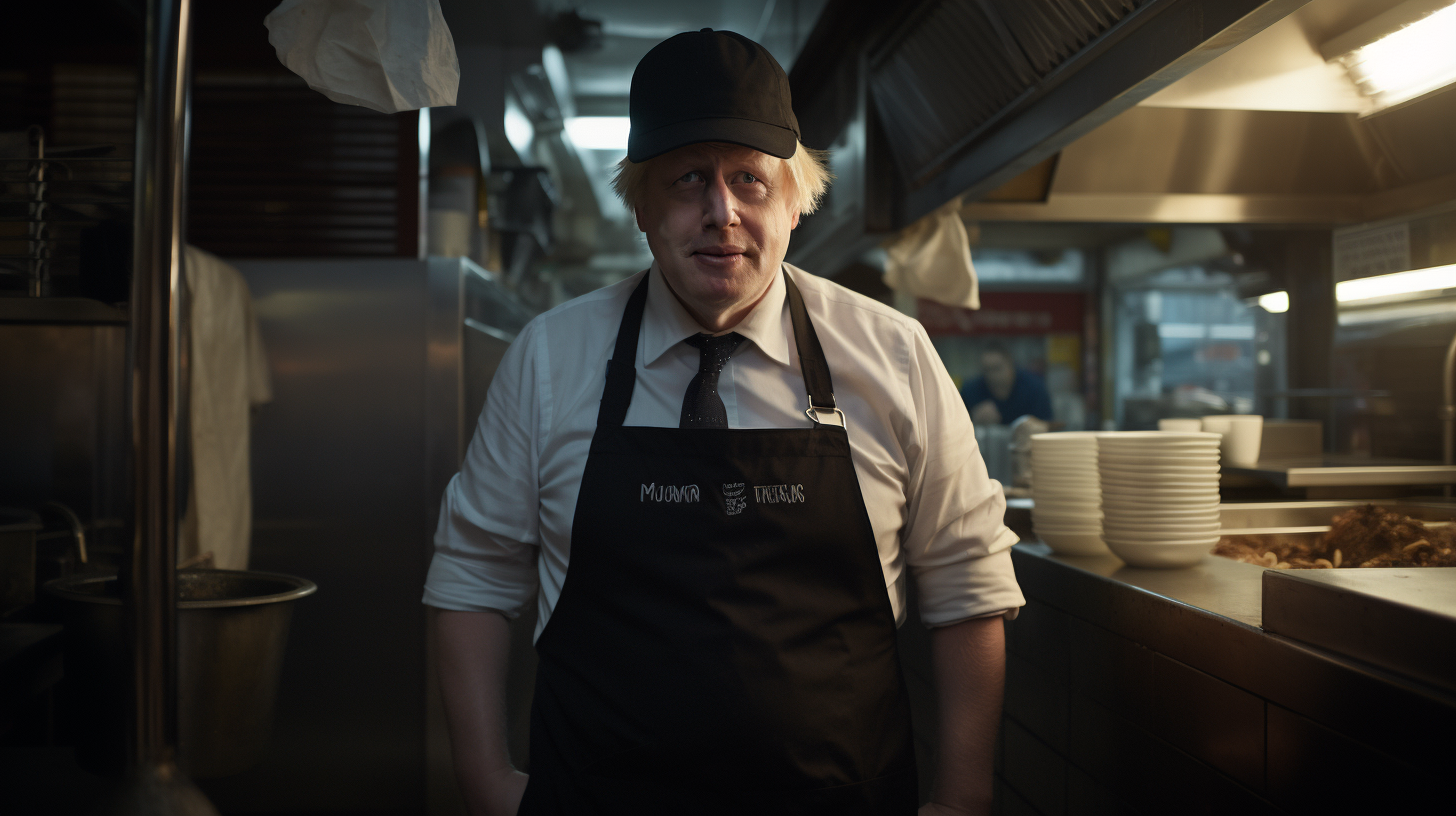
[(250, 311)]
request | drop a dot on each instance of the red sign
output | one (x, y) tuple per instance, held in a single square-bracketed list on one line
[(1007, 313)]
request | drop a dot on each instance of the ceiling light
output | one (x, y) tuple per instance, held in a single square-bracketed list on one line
[(1401, 54), (599, 132), (1434, 279), (1275, 302)]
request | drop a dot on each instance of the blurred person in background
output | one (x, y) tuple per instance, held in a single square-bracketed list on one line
[(1005, 392)]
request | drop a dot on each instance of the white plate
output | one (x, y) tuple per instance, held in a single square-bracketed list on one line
[(1158, 556), (1075, 543)]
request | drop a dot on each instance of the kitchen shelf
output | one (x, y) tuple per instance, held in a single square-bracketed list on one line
[(1347, 471), (60, 310)]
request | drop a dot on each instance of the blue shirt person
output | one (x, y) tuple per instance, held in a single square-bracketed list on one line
[(1005, 392)]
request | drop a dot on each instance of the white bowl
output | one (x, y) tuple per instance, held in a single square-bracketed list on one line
[(1153, 437), (1158, 556), (1180, 424), (1207, 537), (1039, 467), (1175, 513), (1159, 458), (1091, 485), (1075, 543), (1119, 507), (1067, 437), (1070, 521), (1161, 488), (1190, 487), (1160, 468), (1159, 532), (1064, 505)]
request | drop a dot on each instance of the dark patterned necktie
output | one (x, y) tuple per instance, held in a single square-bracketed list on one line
[(702, 407)]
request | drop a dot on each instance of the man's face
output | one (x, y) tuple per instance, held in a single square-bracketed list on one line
[(999, 372), (717, 219)]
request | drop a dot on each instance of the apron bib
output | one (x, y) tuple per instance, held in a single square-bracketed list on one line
[(723, 642)]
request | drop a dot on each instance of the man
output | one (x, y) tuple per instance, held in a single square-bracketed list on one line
[(1005, 392), (718, 472)]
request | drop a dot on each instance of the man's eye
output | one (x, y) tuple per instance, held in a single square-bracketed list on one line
[(691, 176), (749, 177)]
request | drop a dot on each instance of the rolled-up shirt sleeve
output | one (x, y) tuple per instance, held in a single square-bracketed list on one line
[(955, 541), (486, 542)]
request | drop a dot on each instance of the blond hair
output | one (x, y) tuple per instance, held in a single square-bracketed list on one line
[(809, 178)]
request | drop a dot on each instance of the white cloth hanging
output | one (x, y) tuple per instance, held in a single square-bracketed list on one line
[(931, 259), (386, 55), (229, 375)]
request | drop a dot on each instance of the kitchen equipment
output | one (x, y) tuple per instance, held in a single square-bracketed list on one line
[(231, 630)]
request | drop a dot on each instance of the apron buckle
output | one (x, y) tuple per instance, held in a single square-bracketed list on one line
[(825, 416)]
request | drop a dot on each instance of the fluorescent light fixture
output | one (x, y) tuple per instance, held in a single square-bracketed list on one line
[(1275, 302), (1413, 282), (599, 132), (1402, 54)]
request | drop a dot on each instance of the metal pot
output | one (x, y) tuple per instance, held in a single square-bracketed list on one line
[(232, 627)]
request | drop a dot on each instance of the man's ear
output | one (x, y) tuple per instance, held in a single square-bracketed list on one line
[(637, 215), (794, 222)]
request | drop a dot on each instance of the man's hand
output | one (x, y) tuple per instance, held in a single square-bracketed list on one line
[(985, 413), (497, 793)]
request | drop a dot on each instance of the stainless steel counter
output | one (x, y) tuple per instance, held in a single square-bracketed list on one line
[(1220, 586)]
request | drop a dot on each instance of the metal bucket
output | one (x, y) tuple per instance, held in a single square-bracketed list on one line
[(232, 627)]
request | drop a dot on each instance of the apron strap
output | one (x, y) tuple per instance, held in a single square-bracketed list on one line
[(811, 359), (622, 368)]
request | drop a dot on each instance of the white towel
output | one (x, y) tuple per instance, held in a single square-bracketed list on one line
[(229, 373)]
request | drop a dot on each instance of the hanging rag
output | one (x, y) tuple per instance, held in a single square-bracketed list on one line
[(931, 259), (386, 55), (229, 375)]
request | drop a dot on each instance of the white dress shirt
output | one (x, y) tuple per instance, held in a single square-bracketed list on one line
[(505, 524)]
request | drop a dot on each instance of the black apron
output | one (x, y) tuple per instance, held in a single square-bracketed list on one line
[(723, 642)]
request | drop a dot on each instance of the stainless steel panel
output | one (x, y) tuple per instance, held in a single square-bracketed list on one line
[(1311, 516), (341, 496), (63, 422)]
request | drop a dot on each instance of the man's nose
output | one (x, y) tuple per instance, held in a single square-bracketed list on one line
[(720, 209)]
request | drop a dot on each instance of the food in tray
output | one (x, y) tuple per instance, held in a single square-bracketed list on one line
[(1367, 536)]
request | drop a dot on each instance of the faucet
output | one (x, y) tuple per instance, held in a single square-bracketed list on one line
[(78, 530)]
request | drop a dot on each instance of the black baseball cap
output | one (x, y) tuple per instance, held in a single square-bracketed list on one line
[(710, 86)]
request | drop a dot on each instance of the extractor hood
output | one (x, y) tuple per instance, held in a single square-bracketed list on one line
[(1157, 111)]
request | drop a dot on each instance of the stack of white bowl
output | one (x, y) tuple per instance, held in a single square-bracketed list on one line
[(1159, 496), (1066, 508)]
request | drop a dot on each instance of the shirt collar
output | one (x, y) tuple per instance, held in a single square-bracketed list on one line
[(666, 323)]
